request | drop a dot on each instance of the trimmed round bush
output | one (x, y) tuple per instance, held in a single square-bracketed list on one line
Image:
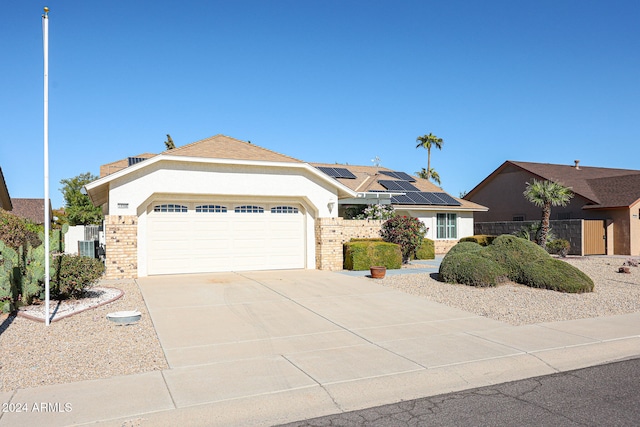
[(481, 239), (426, 250), (463, 247), (513, 253), (74, 275), (550, 273), (361, 255), (471, 268)]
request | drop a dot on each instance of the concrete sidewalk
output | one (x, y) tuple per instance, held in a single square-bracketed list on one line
[(263, 348)]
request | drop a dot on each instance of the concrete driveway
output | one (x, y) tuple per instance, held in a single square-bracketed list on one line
[(277, 346)]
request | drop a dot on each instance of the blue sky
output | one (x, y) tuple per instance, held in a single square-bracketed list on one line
[(323, 81)]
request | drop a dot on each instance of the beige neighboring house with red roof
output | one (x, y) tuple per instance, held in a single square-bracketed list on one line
[(607, 201), (221, 204), (31, 209)]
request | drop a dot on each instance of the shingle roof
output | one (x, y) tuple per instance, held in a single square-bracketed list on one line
[(224, 147), (368, 177), (604, 187), (31, 209)]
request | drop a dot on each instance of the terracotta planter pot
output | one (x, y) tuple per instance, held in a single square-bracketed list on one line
[(378, 272)]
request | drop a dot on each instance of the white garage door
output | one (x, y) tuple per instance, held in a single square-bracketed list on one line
[(200, 238)]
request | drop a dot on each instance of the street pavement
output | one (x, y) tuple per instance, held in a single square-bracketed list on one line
[(604, 395), (272, 347)]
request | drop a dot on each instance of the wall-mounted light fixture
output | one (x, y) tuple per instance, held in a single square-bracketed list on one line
[(331, 205)]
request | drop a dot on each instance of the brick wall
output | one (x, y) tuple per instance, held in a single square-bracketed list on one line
[(332, 233), (121, 246)]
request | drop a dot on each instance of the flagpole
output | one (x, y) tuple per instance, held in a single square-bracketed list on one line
[(47, 222)]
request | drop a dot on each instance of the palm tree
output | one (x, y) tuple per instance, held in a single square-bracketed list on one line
[(545, 194), (428, 141), (431, 175)]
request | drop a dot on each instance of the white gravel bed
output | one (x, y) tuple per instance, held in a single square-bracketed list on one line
[(614, 293), (80, 347)]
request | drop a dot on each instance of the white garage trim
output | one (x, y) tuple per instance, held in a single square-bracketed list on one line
[(198, 237)]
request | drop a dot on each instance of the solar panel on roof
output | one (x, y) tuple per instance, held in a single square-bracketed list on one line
[(397, 185), (425, 198), (399, 175), (133, 160), (337, 172), (447, 199)]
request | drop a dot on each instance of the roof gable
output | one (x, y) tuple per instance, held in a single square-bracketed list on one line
[(604, 187), (5, 199), (224, 147)]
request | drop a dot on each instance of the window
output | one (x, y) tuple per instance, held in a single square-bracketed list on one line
[(284, 209), (248, 209), (518, 218), (169, 208), (446, 226), (211, 209)]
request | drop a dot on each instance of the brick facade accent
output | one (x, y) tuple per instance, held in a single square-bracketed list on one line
[(332, 233), (121, 246)]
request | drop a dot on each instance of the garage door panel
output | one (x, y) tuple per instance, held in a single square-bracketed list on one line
[(199, 242)]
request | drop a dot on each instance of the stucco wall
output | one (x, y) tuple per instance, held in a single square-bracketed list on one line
[(504, 197)]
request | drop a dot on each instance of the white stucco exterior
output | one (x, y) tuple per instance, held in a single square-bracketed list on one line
[(135, 190), (464, 221)]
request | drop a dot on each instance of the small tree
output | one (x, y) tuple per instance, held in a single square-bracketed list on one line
[(426, 142), (405, 231), (432, 174), (78, 206), (170, 145), (382, 212), (545, 194)]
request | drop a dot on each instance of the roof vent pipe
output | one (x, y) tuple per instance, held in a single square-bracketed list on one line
[(577, 166)]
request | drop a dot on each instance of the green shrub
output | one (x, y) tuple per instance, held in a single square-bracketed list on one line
[(481, 239), (471, 268), (513, 253), (373, 239), (365, 254), (426, 250), (559, 247), (514, 258), (16, 231), (550, 273), (73, 275), (405, 231), (464, 247)]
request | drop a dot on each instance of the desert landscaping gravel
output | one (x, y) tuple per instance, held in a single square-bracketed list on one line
[(88, 346), (80, 347), (614, 293)]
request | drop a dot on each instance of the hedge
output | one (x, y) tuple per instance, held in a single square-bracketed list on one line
[(471, 268), (361, 255), (426, 250), (481, 239)]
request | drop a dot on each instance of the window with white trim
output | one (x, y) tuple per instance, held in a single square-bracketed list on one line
[(248, 209), (446, 227), (211, 209), (284, 209), (169, 207)]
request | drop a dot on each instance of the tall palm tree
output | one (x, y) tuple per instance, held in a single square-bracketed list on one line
[(433, 175), (428, 141), (545, 194)]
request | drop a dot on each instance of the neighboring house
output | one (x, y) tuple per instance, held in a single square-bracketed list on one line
[(221, 204), (607, 199), (31, 209), (5, 199)]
